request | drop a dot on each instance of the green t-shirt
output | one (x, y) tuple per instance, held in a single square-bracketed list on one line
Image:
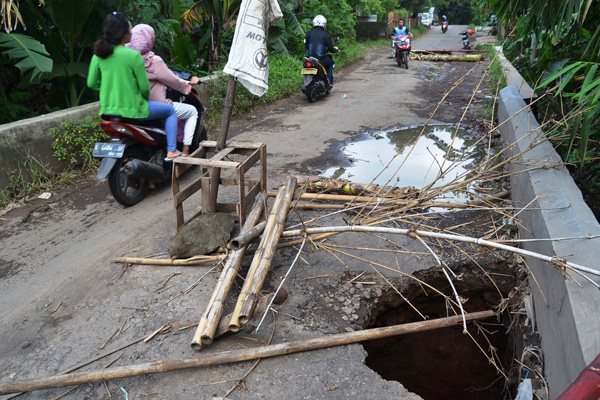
[(122, 81)]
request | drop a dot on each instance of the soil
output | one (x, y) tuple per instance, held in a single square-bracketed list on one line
[(64, 302)]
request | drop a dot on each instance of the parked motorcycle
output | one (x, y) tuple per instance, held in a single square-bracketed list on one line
[(315, 83), (135, 156), (402, 48), (465, 40), (444, 26)]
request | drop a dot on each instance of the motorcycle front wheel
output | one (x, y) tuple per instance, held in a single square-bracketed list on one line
[(125, 189), (405, 59), (311, 94)]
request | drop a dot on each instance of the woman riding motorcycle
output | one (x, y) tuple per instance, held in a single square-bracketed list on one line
[(160, 76), (119, 74)]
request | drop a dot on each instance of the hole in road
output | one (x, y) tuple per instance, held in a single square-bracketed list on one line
[(417, 161), (442, 364)]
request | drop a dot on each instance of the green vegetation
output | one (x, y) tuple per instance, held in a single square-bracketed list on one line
[(556, 47), (32, 177), (74, 142)]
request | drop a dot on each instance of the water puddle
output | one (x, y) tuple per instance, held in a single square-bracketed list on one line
[(387, 155)]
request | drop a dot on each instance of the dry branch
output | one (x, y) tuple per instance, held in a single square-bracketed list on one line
[(192, 261), (128, 371)]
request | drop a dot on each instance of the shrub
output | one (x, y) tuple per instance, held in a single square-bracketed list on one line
[(74, 141)]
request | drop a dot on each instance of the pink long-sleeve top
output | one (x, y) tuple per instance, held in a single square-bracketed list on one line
[(161, 77)]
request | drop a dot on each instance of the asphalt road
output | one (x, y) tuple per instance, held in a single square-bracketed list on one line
[(62, 298)]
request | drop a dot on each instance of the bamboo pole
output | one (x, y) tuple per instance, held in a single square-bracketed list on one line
[(263, 257), (556, 261), (161, 261), (340, 339), (267, 258), (247, 237), (210, 319), (441, 57), (235, 325)]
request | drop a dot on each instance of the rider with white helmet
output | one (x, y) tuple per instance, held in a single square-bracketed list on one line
[(318, 44)]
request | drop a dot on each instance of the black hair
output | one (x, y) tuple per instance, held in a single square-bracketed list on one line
[(401, 19), (116, 26)]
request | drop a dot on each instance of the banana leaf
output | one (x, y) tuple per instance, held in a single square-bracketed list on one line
[(31, 53)]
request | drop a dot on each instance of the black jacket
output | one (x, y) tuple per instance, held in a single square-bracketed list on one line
[(318, 43)]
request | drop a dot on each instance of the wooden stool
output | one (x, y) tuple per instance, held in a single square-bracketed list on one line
[(254, 153)]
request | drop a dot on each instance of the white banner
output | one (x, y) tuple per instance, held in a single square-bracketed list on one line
[(248, 56)]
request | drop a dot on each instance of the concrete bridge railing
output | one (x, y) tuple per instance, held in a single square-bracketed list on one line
[(569, 322)]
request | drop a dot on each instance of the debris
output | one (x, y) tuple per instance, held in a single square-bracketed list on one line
[(45, 196), (340, 339), (263, 258), (210, 319), (163, 329), (126, 394)]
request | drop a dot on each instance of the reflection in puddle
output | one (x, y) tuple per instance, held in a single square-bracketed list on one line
[(419, 163)]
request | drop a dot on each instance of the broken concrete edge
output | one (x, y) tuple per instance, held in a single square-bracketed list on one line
[(570, 322), (32, 136)]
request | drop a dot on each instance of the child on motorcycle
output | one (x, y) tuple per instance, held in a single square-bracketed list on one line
[(160, 76), (119, 74)]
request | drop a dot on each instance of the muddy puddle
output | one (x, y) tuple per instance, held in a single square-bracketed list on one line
[(405, 157)]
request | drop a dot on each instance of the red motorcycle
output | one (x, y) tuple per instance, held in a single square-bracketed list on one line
[(402, 49), (444, 26), (135, 157)]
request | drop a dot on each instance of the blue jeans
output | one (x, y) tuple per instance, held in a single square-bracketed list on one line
[(164, 110), (327, 63)]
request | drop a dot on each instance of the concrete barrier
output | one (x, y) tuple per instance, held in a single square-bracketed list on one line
[(569, 323), (32, 136)]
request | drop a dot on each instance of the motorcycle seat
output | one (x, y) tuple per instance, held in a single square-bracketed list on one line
[(153, 123)]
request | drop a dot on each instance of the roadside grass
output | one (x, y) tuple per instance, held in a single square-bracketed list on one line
[(498, 81), (72, 144), (31, 177)]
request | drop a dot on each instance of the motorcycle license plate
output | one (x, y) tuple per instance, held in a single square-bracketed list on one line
[(309, 71), (112, 150)]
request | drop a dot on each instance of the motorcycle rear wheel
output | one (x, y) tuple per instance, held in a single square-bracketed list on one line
[(125, 189), (311, 94)]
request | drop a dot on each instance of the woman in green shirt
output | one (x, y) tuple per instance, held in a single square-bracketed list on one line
[(119, 74)]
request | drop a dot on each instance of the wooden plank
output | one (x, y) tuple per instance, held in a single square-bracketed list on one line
[(206, 162), (222, 154), (189, 190), (251, 195), (251, 161), (242, 194), (226, 207), (205, 192), (263, 167), (178, 207)]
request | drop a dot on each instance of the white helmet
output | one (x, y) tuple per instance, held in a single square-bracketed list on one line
[(320, 21)]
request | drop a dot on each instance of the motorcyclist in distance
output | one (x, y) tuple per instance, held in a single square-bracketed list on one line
[(318, 43), (445, 19)]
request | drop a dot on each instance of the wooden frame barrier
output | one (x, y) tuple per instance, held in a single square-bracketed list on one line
[(247, 188)]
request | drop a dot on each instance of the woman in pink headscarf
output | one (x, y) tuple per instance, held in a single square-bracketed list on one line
[(160, 76)]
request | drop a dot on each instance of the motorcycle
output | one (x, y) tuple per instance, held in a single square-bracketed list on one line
[(465, 40), (444, 26), (315, 83), (402, 48), (135, 156)]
